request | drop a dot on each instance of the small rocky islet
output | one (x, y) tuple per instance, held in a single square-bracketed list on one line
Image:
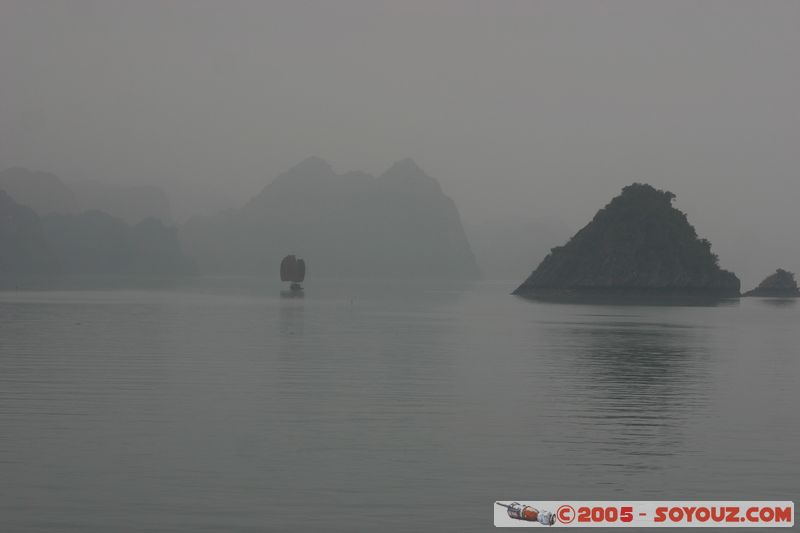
[(779, 284)]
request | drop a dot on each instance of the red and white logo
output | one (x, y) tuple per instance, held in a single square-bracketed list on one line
[(644, 514)]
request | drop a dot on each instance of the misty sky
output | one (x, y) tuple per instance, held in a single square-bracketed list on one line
[(518, 108)]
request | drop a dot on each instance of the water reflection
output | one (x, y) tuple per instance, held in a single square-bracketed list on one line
[(290, 316), (216, 408), (777, 302), (633, 299), (93, 282), (636, 385)]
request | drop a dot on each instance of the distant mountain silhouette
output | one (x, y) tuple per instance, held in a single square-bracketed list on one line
[(399, 224), (84, 244), (780, 283), (637, 243), (48, 194), (44, 193), (23, 247), (94, 242), (131, 203)]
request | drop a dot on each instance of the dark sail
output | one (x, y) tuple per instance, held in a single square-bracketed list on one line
[(288, 267), (293, 269)]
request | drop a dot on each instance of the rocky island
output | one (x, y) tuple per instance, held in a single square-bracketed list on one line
[(781, 284), (638, 244)]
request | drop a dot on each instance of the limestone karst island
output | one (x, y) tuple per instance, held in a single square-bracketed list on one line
[(780, 284), (637, 244)]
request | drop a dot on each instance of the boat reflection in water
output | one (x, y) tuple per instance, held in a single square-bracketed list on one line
[(294, 271)]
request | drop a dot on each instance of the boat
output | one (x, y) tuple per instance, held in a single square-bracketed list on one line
[(293, 270)]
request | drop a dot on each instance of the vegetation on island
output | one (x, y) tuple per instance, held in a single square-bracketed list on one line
[(638, 242), (780, 283)]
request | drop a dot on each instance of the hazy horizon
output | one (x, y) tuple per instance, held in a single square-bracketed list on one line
[(521, 110)]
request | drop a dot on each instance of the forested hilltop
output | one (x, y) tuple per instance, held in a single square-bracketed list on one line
[(638, 242), (781, 283)]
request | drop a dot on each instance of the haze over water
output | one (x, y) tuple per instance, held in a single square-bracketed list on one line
[(530, 114), (221, 406)]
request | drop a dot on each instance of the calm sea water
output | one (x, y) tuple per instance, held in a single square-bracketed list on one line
[(222, 406)]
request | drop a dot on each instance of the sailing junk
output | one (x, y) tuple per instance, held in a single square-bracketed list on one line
[(293, 270)]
